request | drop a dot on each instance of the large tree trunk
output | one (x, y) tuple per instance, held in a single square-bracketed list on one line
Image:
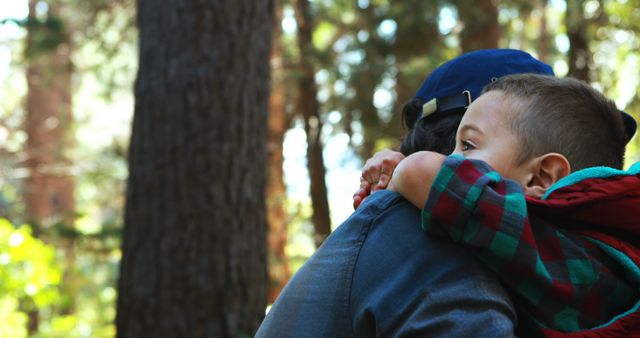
[(579, 53), (309, 107), (276, 191), (49, 187), (194, 241), (481, 28)]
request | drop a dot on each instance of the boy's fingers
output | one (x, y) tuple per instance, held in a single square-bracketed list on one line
[(388, 166), (356, 201), (383, 177), (359, 196), (364, 190), (371, 174), (364, 184), (366, 170), (384, 181), (382, 162)]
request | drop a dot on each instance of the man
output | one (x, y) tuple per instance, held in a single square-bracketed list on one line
[(378, 274)]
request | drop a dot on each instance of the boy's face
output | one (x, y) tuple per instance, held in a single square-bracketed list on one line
[(484, 134)]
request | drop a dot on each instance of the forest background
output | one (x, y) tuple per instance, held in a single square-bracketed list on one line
[(340, 73)]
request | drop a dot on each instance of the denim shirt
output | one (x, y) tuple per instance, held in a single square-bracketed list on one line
[(379, 275)]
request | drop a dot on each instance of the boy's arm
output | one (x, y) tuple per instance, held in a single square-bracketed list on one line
[(414, 175), (556, 275)]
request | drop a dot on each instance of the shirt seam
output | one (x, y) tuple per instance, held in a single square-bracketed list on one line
[(386, 205)]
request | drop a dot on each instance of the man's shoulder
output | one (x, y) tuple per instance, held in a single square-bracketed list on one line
[(404, 280), (381, 199), (377, 206), (314, 302)]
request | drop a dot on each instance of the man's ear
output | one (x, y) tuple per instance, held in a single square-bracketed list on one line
[(547, 170)]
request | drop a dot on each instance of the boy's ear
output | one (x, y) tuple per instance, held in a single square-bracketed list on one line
[(547, 170)]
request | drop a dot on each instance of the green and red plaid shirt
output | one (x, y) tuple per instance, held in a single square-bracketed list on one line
[(558, 278)]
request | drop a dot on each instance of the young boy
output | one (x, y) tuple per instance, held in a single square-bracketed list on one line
[(566, 251)]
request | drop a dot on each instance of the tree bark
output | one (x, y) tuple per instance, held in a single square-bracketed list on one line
[(276, 190), (309, 107), (481, 28), (406, 48), (579, 53), (194, 238), (545, 43), (49, 187)]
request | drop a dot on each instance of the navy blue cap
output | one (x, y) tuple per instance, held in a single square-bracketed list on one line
[(472, 71)]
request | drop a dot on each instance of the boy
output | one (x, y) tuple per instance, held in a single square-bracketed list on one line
[(559, 251)]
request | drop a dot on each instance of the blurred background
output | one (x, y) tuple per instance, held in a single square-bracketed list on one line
[(341, 72)]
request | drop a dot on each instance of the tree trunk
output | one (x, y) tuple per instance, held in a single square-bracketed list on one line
[(49, 187), (406, 49), (194, 240), (545, 43), (481, 28), (579, 53), (276, 191), (309, 107)]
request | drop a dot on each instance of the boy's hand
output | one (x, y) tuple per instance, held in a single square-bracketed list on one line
[(376, 174), (362, 193), (379, 169)]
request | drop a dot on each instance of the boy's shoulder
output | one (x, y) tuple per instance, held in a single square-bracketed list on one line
[(598, 198), (594, 177)]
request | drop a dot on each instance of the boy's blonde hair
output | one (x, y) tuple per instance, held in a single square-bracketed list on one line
[(565, 116)]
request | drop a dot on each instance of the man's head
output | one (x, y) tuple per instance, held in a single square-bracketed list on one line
[(536, 129), (432, 117)]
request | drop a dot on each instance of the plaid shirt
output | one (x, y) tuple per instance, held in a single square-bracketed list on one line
[(558, 279)]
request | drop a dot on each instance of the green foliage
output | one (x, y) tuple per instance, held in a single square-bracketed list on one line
[(27, 266), (29, 277), (323, 34), (46, 35), (300, 243), (102, 42), (31, 274)]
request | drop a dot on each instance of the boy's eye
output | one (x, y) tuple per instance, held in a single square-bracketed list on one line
[(466, 146)]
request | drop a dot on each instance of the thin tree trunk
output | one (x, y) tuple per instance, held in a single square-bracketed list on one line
[(363, 104), (309, 107), (405, 49), (544, 38), (194, 241), (579, 53), (481, 28), (49, 187), (276, 191)]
